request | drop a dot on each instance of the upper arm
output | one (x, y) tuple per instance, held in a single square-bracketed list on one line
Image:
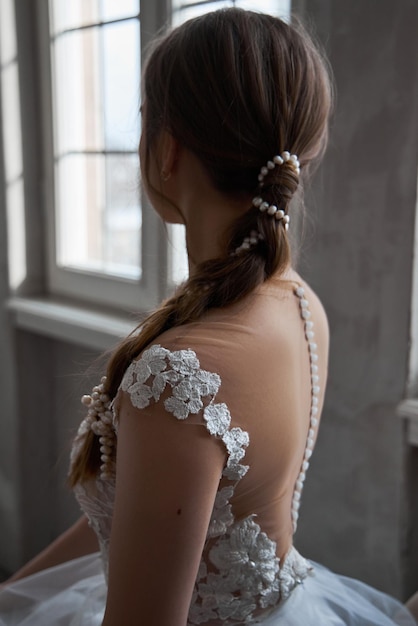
[(168, 472)]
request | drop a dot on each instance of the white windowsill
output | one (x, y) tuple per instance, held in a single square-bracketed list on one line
[(72, 323), (408, 410)]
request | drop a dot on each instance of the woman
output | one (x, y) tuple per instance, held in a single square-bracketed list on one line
[(191, 461)]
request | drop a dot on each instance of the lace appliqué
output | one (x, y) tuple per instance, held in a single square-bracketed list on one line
[(240, 576), (190, 385)]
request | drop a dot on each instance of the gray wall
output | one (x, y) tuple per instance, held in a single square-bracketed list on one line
[(355, 515), (360, 503)]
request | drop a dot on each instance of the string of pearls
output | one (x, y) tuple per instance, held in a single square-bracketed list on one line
[(251, 240), (265, 207), (271, 209), (99, 420)]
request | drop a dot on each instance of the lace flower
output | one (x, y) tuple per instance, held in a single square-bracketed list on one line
[(218, 418)]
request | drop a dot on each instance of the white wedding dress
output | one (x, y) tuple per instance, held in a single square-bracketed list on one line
[(250, 573)]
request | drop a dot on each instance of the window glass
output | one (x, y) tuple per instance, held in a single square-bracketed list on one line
[(186, 9), (70, 14), (96, 78)]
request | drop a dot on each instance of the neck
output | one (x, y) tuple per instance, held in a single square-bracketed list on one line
[(208, 213)]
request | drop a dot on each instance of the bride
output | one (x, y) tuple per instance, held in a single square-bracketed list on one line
[(190, 464)]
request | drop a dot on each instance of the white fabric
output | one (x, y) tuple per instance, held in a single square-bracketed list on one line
[(74, 594)]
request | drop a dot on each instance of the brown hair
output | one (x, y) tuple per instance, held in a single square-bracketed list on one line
[(235, 88)]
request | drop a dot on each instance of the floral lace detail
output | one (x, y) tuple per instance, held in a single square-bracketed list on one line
[(240, 576), (189, 383)]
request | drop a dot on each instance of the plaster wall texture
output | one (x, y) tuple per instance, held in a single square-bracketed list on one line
[(354, 515)]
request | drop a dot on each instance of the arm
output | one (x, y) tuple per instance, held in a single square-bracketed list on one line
[(78, 540), (168, 474)]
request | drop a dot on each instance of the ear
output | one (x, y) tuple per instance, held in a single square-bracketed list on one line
[(169, 149)]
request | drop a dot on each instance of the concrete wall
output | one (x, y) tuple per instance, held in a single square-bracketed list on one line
[(355, 512), (360, 502)]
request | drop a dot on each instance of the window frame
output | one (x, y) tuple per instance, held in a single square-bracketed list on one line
[(93, 287)]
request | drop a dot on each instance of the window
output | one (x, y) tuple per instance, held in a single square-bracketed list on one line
[(105, 245)]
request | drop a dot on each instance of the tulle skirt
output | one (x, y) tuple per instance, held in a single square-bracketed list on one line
[(74, 594)]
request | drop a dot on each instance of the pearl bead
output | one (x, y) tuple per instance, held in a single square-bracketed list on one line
[(295, 516), (264, 171), (299, 484), (278, 159), (309, 325), (314, 368), (308, 454), (270, 165), (296, 496), (86, 400), (257, 201), (306, 314), (314, 357), (305, 465), (272, 209), (314, 400), (316, 389), (314, 421), (280, 214), (286, 219), (285, 155), (300, 292), (264, 206), (311, 432), (304, 303)]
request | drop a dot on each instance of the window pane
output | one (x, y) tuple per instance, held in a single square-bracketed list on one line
[(187, 9), (121, 85), (96, 78), (76, 83), (99, 222), (281, 8), (68, 14), (116, 9), (181, 12)]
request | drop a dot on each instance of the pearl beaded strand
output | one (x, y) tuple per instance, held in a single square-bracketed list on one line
[(271, 209), (99, 420), (315, 390), (263, 206)]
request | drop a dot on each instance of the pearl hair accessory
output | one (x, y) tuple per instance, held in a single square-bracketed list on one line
[(272, 209), (252, 240), (99, 419)]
